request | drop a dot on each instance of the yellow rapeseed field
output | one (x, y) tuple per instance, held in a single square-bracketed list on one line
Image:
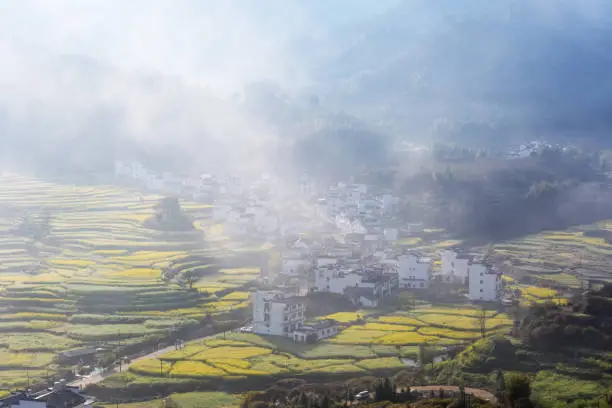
[(151, 366), (344, 317), (195, 369), (231, 352), (356, 335), (404, 338), (403, 320), (387, 327)]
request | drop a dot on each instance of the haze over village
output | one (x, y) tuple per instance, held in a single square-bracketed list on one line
[(305, 204)]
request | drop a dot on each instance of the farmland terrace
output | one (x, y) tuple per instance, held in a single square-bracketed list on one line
[(98, 276)]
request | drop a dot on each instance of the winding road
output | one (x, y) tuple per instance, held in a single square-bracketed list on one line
[(96, 378)]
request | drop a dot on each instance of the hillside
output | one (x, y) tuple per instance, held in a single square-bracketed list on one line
[(477, 72)]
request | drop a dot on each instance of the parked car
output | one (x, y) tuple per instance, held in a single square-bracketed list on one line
[(246, 329), (362, 396)]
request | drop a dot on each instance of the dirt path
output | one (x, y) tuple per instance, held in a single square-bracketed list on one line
[(96, 378), (477, 392)]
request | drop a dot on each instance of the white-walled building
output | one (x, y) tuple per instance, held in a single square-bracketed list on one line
[(365, 287), (317, 331), (413, 271), (295, 266), (275, 313), (391, 234), (336, 278), (455, 266), (389, 203), (485, 283)]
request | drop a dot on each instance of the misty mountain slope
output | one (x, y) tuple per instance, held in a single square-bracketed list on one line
[(516, 67), (82, 114)]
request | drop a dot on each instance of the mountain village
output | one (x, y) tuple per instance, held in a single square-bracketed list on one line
[(338, 239)]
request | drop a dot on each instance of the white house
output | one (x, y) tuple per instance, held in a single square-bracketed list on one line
[(362, 297), (265, 221), (388, 203), (455, 266), (60, 395), (336, 278), (374, 287), (317, 331), (275, 313), (485, 283), (325, 261), (413, 271), (295, 266), (391, 234)]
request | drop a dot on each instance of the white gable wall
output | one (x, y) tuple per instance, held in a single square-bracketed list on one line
[(484, 286)]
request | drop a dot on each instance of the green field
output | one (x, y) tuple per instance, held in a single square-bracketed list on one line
[(187, 400), (373, 345), (97, 277), (560, 258)]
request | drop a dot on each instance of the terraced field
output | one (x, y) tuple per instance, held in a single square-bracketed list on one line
[(367, 344), (561, 257), (97, 277)]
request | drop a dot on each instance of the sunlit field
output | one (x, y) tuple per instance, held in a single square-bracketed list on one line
[(97, 277), (560, 257), (367, 345)]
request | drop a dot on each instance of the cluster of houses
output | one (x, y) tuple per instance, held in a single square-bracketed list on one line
[(351, 256), (60, 395), (367, 283), (197, 188)]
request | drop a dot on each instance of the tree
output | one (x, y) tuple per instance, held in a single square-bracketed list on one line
[(189, 279), (169, 216), (483, 323), (500, 385), (518, 387), (36, 228), (250, 397), (384, 390)]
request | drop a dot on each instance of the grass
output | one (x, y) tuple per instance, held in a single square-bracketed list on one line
[(96, 332), (25, 360), (381, 363), (186, 400), (549, 385), (17, 342)]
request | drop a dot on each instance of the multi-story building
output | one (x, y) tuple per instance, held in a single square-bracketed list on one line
[(275, 313), (317, 331), (413, 271), (365, 286), (485, 283), (335, 278), (455, 266)]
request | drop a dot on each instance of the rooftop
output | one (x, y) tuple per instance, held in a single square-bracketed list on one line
[(293, 300), (321, 324)]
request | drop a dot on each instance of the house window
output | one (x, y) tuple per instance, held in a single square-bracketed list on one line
[(286, 329), (481, 290), (481, 274), (422, 284), (481, 282)]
